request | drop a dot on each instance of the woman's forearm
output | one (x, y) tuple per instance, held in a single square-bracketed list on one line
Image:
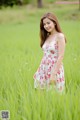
[(57, 65), (61, 49)]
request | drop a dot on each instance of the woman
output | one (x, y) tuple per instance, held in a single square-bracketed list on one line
[(51, 71)]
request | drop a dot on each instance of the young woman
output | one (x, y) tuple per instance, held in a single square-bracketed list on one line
[(51, 70)]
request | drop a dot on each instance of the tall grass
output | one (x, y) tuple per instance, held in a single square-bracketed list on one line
[(20, 56)]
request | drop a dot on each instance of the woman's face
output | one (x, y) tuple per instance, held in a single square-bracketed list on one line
[(49, 25)]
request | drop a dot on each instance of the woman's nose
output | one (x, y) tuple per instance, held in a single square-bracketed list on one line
[(46, 26)]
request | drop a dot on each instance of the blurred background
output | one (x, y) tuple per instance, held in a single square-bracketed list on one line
[(20, 56)]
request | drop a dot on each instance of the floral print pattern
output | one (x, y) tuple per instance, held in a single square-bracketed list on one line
[(48, 62)]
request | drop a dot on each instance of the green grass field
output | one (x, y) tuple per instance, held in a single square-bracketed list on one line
[(20, 56)]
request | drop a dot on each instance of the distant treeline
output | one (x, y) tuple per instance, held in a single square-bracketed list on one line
[(13, 2)]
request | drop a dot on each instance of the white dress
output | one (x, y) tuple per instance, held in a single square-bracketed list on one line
[(48, 62)]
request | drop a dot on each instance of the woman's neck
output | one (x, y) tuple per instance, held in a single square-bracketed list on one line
[(53, 32)]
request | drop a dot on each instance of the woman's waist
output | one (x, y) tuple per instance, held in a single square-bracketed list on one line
[(49, 59), (51, 56)]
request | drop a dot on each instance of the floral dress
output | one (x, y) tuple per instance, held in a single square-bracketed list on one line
[(48, 62)]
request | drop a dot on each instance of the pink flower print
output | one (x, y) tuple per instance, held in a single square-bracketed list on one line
[(49, 56), (60, 80), (41, 77), (48, 62), (55, 56), (56, 47), (52, 51), (53, 62), (58, 72), (48, 75), (49, 69), (45, 77)]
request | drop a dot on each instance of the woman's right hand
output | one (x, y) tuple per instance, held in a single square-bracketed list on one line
[(52, 82)]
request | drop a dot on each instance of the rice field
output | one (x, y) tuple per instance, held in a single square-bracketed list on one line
[(20, 56)]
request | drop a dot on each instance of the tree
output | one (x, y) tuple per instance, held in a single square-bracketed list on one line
[(39, 3)]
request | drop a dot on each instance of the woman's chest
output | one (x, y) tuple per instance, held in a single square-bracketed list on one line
[(48, 46)]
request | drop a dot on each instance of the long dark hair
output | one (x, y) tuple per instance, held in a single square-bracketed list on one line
[(43, 33)]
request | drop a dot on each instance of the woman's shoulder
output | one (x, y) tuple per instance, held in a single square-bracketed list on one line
[(60, 35)]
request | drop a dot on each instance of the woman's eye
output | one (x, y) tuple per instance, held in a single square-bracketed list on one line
[(48, 22)]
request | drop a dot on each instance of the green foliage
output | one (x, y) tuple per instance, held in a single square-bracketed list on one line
[(27, 1), (7, 2), (50, 1), (12, 2)]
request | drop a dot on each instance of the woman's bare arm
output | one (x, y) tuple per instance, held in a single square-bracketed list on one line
[(61, 49)]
